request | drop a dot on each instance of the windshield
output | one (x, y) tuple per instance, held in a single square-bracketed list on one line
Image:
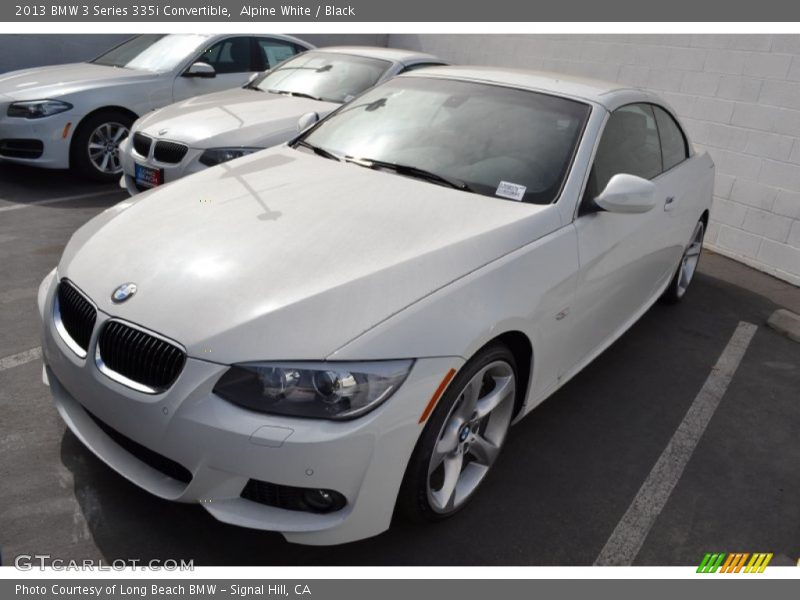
[(496, 141), (152, 52), (324, 75)]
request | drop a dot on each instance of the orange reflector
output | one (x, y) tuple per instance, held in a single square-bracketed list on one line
[(436, 395), (65, 133)]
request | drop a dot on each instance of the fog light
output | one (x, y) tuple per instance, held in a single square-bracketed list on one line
[(323, 501)]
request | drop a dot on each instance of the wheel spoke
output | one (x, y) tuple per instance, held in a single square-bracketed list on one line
[(503, 387), (483, 450), (119, 134), (686, 275), (470, 397), (445, 496), (104, 164), (446, 444)]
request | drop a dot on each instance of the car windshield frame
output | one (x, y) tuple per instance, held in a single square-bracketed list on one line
[(131, 62), (555, 191), (334, 56)]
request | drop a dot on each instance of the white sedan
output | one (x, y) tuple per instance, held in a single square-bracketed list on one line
[(76, 115), (189, 136), (311, 337)]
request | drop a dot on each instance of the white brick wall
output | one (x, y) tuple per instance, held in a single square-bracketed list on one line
[(738, 95)]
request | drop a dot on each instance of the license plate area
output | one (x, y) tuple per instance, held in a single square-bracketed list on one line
[(148, 177)]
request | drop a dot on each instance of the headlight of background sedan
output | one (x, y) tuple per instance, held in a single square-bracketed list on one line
[(215, 156), (322, 390), (36, 109)]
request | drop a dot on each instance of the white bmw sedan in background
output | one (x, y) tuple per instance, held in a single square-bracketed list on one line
[(311, 337), (75, 115), (190, 136)]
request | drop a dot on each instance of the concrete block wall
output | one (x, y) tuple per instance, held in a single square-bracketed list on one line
[(738, 96)]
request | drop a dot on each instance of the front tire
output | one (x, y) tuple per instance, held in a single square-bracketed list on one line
[(686, 269), (94, 152), (462, 439)]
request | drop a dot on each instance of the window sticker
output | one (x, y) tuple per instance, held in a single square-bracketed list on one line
[(512, 191)]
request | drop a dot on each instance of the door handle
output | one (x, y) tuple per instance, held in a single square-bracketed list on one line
[(669, 203)]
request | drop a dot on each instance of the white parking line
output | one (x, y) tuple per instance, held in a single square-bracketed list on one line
[(15, 360), (631, 532), (57, 200)]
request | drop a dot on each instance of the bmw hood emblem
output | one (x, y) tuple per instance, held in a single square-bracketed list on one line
[(123, 292)]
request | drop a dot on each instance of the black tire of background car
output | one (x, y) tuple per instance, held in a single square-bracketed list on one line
[(79, 156)]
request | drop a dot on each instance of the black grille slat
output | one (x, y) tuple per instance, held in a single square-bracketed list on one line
[(287, 497), (78, 316), (21, 148), (141, 143), (140, 356), (169, 152), (153, 459)]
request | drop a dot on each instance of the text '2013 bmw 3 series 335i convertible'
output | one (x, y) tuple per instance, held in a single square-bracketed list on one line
[(316, 337)]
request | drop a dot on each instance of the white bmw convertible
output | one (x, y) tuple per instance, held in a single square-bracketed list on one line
[(315, 337)]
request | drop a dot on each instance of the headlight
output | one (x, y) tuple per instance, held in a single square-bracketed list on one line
[(36, 109), (321, 390), (215, 156)]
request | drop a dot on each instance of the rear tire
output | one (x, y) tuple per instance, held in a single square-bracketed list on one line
[(462, 438), (686, 268), (94, 152)]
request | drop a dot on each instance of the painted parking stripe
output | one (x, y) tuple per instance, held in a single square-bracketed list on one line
[(57, 200), (15, 360), (631, 532)]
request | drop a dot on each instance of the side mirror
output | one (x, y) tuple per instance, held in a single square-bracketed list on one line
[(627, 194), (200, 69), (307, 120)]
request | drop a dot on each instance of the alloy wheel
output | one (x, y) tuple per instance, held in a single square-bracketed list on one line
[(471, 437), (103, 147), (690, 258)]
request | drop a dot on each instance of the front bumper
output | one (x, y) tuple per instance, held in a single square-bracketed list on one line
[(171, 171), (223, 446), (50, 131)]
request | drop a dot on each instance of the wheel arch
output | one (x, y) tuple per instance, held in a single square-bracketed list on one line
[(96, 111), (521, 347)]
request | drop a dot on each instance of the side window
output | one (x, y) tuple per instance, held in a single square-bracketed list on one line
[(230, 56), (674, 148), (420, 66), (630, 144), (273, 51)]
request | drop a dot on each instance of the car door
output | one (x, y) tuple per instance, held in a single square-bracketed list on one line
[(234, 60), (680, 177), (624, 258)]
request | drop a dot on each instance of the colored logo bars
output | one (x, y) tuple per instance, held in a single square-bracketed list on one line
[(735, 562)]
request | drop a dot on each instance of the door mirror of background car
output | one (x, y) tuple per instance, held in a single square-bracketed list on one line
[(627, 194), (307, 120), (200, 69)]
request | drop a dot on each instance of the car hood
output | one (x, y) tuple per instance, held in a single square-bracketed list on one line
[(286, 255), (237, 117), (61, 80)]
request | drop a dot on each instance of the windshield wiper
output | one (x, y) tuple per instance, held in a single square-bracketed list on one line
[(297, 95), (411, 171), (319, 150), (251, 86)]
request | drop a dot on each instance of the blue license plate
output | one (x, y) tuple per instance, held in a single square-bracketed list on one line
[(148, 177)]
